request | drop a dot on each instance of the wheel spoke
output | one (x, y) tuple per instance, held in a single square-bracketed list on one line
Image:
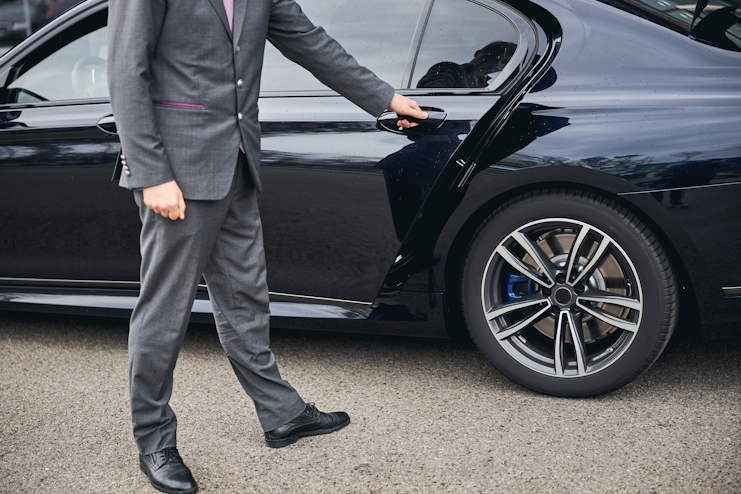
[(566, 318), (609, 318), (522, 303), (592, 264), (520, 266), (558, 343), (519, 326), (545, 264), (573, 258), (577, 336), (599, 296)]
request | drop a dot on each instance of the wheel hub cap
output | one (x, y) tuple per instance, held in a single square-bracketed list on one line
[(562, 297)]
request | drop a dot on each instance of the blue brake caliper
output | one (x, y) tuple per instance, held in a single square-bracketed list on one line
[(516, 285)]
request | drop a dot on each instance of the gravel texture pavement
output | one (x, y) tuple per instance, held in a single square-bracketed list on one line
[(428, 416)]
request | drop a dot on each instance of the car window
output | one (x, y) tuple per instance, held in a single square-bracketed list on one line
[(69, 67), (717, 24), (465, 44), (75, 71), (378, 34)]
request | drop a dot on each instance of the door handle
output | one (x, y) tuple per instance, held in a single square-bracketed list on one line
[(108, 125), (8, 120), (435, 119)]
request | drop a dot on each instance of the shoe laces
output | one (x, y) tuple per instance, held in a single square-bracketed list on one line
[(312, 410), (171, 454), (164, 456)]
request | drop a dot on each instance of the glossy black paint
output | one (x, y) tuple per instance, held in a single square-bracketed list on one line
[(55, 164), (341, 192), (352, 211)]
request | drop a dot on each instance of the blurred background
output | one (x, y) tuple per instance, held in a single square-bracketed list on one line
[(20, 18)]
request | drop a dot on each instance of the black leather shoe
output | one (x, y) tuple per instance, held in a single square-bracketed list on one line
[(167, 472), (311, 422)]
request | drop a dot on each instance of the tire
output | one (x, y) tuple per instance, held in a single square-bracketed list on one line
[(568, 293)]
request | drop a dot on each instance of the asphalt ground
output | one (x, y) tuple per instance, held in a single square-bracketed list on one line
[(428, 416)]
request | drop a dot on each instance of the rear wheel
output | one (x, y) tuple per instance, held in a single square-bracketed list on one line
[(568, 293)]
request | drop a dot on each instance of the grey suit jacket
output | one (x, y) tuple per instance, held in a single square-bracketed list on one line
[(184, 88)]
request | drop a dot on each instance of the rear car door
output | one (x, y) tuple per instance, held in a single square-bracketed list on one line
[(341, 189)]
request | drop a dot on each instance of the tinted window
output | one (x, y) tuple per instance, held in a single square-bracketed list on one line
[(717, 24), (464, 45), (378, 34), (76, 70)]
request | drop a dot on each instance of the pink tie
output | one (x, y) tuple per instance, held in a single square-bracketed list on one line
[(229, 7)]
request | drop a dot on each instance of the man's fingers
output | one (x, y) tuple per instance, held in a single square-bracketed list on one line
[(406, 124), (411, 112), (165, 199), (417, 113), (404, 106)]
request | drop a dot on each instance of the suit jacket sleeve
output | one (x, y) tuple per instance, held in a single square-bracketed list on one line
[(311, 47), (133, 30)]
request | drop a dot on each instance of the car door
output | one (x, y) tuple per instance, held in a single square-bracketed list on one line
[(62, 218), (341, 188)]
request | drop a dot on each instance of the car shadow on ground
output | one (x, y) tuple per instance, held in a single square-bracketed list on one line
[(688, 360)]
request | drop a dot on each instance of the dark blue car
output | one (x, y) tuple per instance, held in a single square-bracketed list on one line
[(575, 192)]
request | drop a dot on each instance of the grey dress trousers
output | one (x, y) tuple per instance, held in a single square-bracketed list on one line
[(223, 240), (184, 89)]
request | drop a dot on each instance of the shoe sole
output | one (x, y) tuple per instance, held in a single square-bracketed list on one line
[(279, 443), (162, 489)]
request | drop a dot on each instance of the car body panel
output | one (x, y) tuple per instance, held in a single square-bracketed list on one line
[(656, 130)]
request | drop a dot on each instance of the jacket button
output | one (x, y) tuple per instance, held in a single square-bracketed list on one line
[(127, 172), (123, 157), (240, 83), (236, 49), (239, 116)]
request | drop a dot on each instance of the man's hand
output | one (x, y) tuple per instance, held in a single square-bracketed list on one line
[(404, 106), (165, 199)]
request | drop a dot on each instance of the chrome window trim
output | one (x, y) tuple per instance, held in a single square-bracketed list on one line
[(424, 17), (55, 103), (732, 291)]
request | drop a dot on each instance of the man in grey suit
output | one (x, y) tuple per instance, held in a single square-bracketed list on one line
[(184, 80)]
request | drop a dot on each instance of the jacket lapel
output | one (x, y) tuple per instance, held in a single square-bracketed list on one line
[(240, 10), (218, 5)]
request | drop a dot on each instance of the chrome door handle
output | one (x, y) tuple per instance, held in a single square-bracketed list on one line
[(108, 125), (435, 118)]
